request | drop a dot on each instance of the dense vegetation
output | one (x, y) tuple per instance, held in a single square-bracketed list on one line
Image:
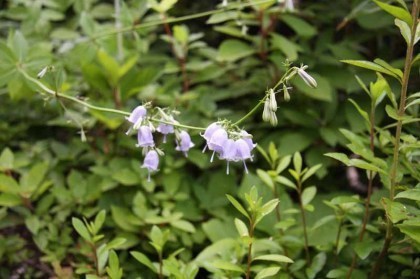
[(328, 90)]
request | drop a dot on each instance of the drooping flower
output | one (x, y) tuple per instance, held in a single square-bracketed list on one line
[(145, 137), (228, 152), (184, 144), (165, 129), (217, 141), (136, 117), (308, 79), (248, 139), (151, 162), (243, 152), (272, 100), (208, 133), (289, 5)]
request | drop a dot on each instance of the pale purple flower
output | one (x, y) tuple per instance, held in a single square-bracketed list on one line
[(307, 78), (248, 139), (243, 152), (136, 117), (228, 153), (165, 129), (213, 127), (184, 144), (145, 137), (216, 142), (151, 162), (236, 151)]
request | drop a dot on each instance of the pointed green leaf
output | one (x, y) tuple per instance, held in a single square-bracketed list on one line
[(237, 205), (411, 194), (241, 227), (267, 272), (308, 194), (142, 258), (397, 12), (227, 266), (274, 258), (81, 228)]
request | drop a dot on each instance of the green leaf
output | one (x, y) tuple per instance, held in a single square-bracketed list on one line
[(411, 194), (222, 17), (20, 46), (115, 243), (268, 207), (232, 50), (241, 227), (286, 46), (237, 205), (33, 224), (183, 225), (6, 159), (311, 172), (387, 66), (31, 180), (81, 229), (397, 12), (283, 164), (323, 92), (99, 220), (317, 264), (285, 181), (404, 30), (110, 65), (267, 272), (142, 258), (297, 162), (266, 178), (395, 211), (308, 194), (274, 258), (411, 228), (363, 113), (370, 66), (301, 27), (364, 248), (227, 266), (8, 184), (10, 200)]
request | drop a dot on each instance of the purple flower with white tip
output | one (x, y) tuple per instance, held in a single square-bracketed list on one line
[(243, 152), (248, 139), (217, 141), (184, 144), (145, 137), (165, 129), (136, 117), (151, 162), (228, 152), (213, 127)]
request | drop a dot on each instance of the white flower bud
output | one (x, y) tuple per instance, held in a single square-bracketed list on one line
[(273, 118), (267, 111), (42, 73), (310, 81), (272, 100), (286, 95)]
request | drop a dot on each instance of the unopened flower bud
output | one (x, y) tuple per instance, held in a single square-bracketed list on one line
[(286, 95), (273, 118), (308, 79), (272, 100), (266, 111), (42, 73)]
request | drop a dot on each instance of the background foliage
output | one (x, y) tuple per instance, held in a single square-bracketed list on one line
[(74, 199)]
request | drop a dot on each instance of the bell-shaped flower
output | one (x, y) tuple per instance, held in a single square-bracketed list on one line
[(228, 152), (307, 78), (248, 139), (145, 137), (165, 129), (184, 144), (243, 152), (136, 117), (151, 162), (217, 141), (208, 133)]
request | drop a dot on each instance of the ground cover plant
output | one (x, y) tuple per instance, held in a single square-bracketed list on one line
[(209, 139)]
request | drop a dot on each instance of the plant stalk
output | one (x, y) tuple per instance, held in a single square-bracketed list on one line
[(303, 216), (249, 261), (395, 159)]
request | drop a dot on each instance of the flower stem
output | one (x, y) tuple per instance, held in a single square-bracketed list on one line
[(175, 20), (395, 159), (249, 261)]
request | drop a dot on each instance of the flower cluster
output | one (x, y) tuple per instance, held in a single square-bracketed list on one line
[(228, 144), (143, 124)]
